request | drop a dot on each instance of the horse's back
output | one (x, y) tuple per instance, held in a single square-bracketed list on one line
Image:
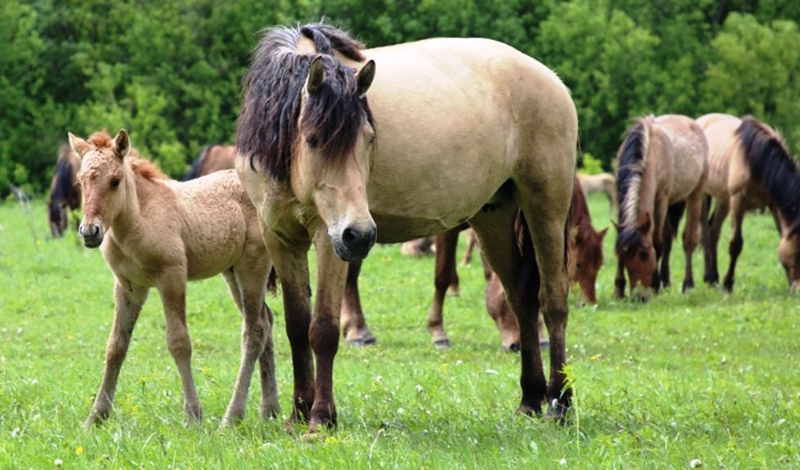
[(460, 113), (686, 146), (724, 151)]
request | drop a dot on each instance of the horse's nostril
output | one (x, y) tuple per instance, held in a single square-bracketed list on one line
[(96, 231), (349, 237)]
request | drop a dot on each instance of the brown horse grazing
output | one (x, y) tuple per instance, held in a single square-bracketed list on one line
[(585, 246), (468, 130), (602, 183), (65, 192), (158, 232), (585, 260), (662, 162), (750, 168), (212, 158)]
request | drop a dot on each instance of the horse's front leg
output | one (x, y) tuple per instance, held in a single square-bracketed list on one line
[(291, 264), (128, 301), (619, 280), (324, 331), (737, 240), (171, 284), (692, 234)]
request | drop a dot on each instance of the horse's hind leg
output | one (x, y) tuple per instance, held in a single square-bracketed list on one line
[(714, 229), (446, 244), (737, 240), (354, 325), (521, 283), (691, 233), (472, 240), (128, 301)]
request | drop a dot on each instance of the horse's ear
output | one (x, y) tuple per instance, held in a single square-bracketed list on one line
[(122, 143), (316, 75), (574, 233), (78, 145), (602, 233), (644, 227), (616, 226), (364, 78)]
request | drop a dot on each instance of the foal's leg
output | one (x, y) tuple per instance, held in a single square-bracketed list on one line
[(737, 241), (691, 233), (498, 309), (128, 301), (711, 276), (521, 283), (354, 325), (291, 264), (472, 240), (171, 286), (446, 245), (324, 331), (619, 280)]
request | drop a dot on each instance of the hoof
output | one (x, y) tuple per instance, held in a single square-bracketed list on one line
[(544, 343), (442, 343), (557, 411), (230, 421), (513, 348), (728, 287), (711, 280), (270, 412), (687, 286), (454, 292), (619, 294), (370, 341), (356, 342), (528, 410)]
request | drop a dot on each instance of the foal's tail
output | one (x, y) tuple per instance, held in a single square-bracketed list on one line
[(197, 164)]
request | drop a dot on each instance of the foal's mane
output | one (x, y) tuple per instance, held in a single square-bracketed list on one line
[(142, 167), (631, 161), (269, 126), (771, 164)]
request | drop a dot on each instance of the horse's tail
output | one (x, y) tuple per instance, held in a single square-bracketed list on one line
[(197, 164), (272, 281)]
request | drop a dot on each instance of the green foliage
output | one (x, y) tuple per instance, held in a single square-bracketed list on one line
[(589, 164), (170, 72)]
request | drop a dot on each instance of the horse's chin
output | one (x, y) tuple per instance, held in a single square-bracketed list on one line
[(92, 243), (348, 255)]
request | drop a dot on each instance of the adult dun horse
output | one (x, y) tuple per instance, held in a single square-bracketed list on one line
[(750, 168), (65, 192), (212, 158), (661, 164), (456, 130), (156, 232)]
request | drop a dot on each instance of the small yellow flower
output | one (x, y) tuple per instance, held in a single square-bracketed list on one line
[(78, 450)]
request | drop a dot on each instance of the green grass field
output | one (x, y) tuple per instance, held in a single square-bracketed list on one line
[(703, 376)]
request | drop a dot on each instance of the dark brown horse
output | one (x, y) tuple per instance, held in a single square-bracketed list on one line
[(212, 158), (750, 168), (335, 154), (65, 192)]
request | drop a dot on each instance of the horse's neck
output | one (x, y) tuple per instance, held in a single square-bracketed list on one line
[(647, 191), (129, 220)]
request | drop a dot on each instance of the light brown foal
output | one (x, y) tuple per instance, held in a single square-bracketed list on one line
[(156, 232)]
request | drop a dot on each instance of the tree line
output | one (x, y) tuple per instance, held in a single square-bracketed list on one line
[(170, 72)]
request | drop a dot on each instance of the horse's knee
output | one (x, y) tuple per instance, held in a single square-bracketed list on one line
[(324, 335), (180, 346)]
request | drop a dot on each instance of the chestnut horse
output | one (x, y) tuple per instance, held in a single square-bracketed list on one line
[(212, 158), (585, 260), (456, 130), (65, 192), (750, 168), (156, 232), (661, 163)]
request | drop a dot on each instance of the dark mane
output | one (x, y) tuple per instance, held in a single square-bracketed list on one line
[(197, 164), (269, 124), (771, 164), (631, 160)]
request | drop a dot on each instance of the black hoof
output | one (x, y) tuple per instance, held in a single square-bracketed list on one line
[(529, 410), (687, 286), (544, 344), (711, 280), (357, 342), (370, 341), (442, 343), (556, 411), (728, 287)]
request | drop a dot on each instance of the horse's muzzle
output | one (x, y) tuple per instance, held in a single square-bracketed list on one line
[(354, 242), (92, 234)]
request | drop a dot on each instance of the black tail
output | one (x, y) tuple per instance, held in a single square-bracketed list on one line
[(197, 164)]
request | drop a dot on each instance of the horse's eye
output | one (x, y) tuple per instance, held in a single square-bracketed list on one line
[(312, 142), (372, 138), (643, 255), (115, 183), (578, 265)]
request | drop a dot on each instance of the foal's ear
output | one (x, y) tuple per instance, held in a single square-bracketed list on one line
[(316, 75), (78, 145), (122, 143), (602, 233), (616, 226), (364, 78)]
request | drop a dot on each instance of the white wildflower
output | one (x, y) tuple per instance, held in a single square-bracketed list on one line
[(695, 463)]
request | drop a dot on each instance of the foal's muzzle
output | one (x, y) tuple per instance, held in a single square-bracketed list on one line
[(354, 241), (92, 234)]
